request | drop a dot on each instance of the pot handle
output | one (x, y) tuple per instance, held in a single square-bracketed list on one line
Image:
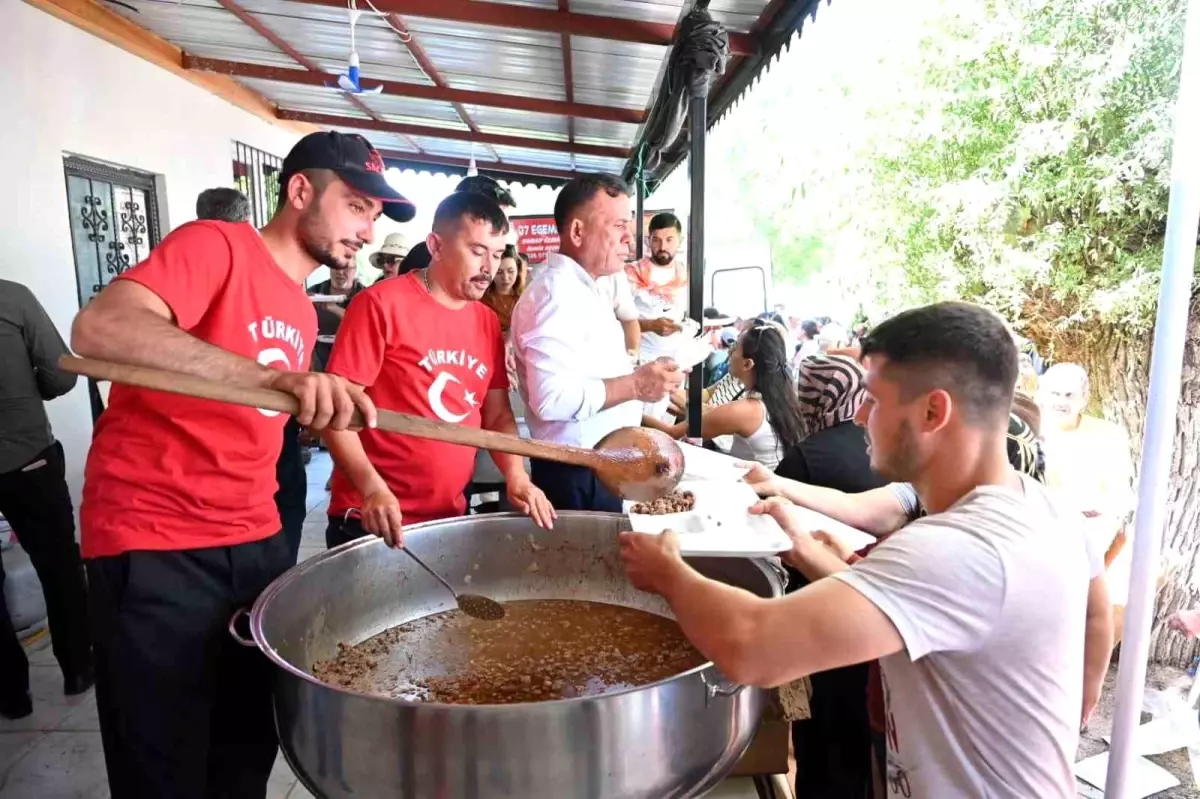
[(776, 566), (233, 631), (718, 687)]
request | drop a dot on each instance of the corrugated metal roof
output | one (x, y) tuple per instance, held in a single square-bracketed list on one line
[(383, 141), (596, 61), (474, 57), (518, 123), (197, 28), (309, 99), (603, 132), (435, 113)]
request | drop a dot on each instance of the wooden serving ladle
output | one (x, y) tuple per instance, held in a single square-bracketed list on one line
[(635, 463)]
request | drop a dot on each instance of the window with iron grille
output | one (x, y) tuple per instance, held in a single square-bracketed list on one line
[(256, 174)]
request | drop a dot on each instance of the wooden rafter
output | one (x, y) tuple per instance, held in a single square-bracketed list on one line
[(504, 15), (91, 17), (418, 54), (420, 91), (564, 42), (262, 30), (456, 134)]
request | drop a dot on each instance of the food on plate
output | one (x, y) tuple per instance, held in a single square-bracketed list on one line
[(542, 649), (675, 502)]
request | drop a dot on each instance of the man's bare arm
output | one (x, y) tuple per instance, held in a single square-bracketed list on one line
[(497, 414), (128, 322), (633, 335), (348, 454), (380, 513), (877, 511), (823, 626)]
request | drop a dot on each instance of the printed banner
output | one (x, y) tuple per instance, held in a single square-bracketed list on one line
[(537, 236)]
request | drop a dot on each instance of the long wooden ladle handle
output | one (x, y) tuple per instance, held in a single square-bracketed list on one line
[(272, 400)]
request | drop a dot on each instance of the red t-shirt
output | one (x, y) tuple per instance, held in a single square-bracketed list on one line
[(416, 356), (172, 472)]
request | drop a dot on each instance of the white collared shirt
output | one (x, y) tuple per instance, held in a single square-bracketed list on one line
[(567, 342)]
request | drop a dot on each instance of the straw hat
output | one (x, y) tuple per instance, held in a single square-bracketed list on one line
[(395, 244)]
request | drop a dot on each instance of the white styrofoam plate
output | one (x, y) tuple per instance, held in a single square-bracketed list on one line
[(322, 298), (811, 521), (705, 464), (720, 524), (692, 352)]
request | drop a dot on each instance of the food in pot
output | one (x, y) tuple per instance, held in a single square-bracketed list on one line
[(675, 502), (542, 649)]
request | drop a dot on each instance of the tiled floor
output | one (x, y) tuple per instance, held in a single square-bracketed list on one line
[(56, 752)]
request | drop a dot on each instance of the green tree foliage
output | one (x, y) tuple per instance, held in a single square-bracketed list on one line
[(1014, 152)]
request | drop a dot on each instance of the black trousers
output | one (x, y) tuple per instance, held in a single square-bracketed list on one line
[(341, 530), (292, 494), (37, 504), (572, 487), (185, 711), (833, 747)]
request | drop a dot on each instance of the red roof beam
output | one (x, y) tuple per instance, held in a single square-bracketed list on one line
[(542, 19), (262, 30), (404, 129), (239, 69)]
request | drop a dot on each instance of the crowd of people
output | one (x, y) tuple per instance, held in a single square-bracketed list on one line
[(957, 656)]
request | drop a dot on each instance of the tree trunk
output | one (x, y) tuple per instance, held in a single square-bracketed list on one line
[(1119, 369)]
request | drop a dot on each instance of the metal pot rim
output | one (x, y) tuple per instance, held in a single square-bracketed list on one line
[(264, 599)]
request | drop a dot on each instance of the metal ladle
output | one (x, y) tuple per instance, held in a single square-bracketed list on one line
[(479, 607)]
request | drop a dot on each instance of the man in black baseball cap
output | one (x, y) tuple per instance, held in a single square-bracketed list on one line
[(179, 521), (419, 256), (482, 184), (355, 161)]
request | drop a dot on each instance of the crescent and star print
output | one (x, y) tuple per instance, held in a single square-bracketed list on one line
[(419, 357), (446, 385)]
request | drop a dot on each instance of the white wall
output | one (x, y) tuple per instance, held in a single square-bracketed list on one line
[(63, 90)]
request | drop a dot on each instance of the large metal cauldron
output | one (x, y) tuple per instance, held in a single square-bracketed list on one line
[(675, 738)]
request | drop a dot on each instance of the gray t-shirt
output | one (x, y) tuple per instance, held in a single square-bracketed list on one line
[(990, 599)]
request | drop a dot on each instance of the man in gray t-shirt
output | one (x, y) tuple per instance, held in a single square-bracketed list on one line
[(966, 589), (976, 612)]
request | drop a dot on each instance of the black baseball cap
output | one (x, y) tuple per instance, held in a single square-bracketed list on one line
[(355, 161), (482, 184)]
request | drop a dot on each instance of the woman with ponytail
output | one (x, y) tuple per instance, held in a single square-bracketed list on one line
[(765, 422)]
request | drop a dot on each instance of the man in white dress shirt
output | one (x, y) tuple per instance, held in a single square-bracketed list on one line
[(577, 379)]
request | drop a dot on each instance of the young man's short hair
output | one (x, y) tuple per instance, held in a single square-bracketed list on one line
[(665, 220), (472, 206), (223, 204), (954, 346)]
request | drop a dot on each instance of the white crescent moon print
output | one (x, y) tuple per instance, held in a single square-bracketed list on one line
[(268, 357), (435, 398)]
